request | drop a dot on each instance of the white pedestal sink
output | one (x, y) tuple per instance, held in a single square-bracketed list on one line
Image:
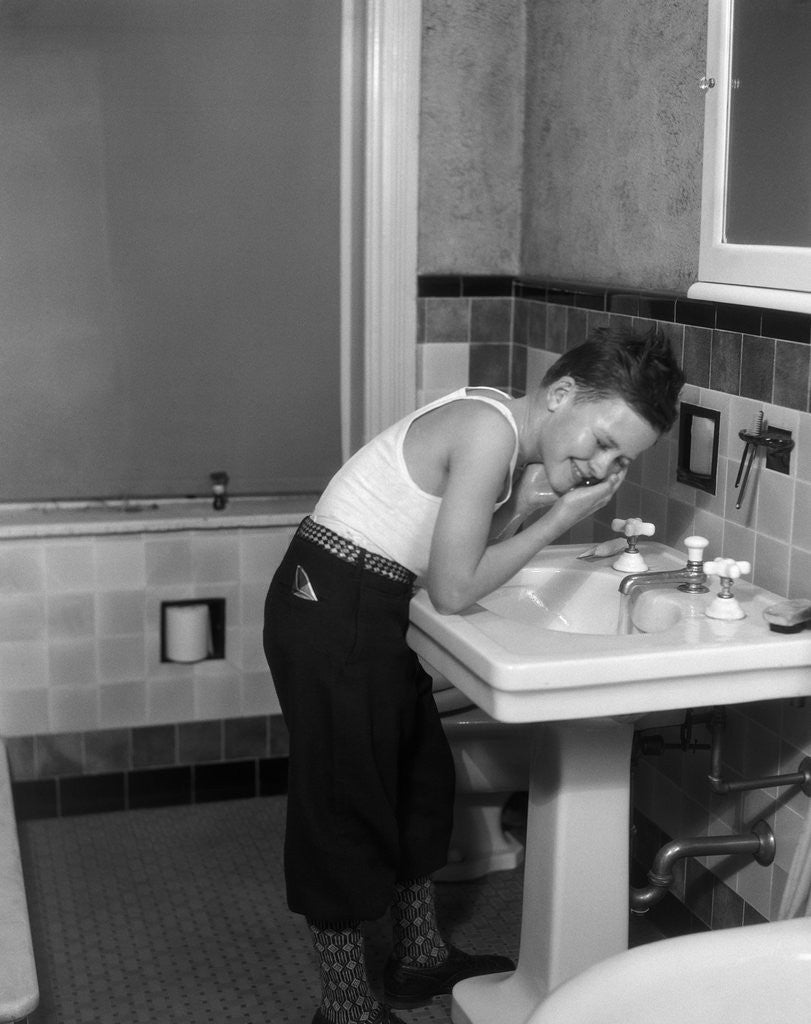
[(545, 649)]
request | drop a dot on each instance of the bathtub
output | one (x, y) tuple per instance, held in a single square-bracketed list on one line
[(757, 972), (149, 515), (19, 990)]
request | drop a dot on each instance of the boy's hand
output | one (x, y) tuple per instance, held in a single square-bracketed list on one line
[(533, 492), (586, 500)]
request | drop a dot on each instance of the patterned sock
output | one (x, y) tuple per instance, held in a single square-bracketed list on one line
[(345, 994), (417, 940)]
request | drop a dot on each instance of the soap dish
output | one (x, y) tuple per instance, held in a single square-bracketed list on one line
[(788, 616)]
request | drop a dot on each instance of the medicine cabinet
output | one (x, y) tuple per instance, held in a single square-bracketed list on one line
[(756, 188)]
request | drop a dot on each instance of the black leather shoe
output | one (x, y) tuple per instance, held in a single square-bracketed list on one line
[(406, 987), (385, 1016)]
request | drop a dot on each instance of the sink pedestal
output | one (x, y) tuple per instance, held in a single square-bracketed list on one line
[(576, 884)]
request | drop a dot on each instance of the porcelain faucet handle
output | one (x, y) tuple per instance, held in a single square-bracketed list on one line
[(633, 527), (631, 560), (725, 605), (727, 568), (695, 548)]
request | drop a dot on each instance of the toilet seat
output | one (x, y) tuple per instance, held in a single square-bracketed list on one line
[(450, 701)]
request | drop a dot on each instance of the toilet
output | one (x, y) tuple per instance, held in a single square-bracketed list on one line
[(492, 764), (758, 972)]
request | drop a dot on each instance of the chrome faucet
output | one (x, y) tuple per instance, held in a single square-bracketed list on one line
[(691, 579), (219, 485)]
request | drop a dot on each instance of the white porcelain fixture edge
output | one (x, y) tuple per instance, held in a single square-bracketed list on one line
[(760, 972), (584, 691), (520, 672)]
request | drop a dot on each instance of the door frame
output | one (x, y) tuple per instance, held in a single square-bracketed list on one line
[(380, 102)]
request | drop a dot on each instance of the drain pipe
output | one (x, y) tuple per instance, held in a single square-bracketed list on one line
[(801, 778), (759, 843)]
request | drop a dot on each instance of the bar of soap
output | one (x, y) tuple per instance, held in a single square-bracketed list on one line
[(790, 614), (606, 549)]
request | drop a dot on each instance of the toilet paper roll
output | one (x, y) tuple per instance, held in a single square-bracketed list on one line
[(188, 632)]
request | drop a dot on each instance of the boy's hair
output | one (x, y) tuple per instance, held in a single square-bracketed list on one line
[(638, 368)]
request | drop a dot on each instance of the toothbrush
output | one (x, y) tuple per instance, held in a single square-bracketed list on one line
[(751, 450)]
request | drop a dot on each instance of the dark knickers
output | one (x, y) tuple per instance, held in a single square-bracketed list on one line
[(371, 780)]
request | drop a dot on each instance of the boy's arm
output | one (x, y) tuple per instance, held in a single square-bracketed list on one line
[(462, 567)]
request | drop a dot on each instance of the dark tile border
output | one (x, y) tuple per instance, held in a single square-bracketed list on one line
[(438, 287), (92, 794), (664, 306), (160, 787), (788, 326), (36, 799), (153, 787), (105, 751), (455, 286)]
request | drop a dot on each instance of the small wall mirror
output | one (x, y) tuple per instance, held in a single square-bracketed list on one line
[(699, 430), (756, 189)]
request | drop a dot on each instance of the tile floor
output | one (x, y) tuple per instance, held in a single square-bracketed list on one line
[(177, 915)]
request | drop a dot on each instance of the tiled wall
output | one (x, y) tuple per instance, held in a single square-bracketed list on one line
[(84, 691), (738, 360), (506, 334), (80, 629)]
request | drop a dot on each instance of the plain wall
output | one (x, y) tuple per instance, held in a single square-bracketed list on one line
[(614, 130), (562, 139), (169, 233), (471, 136)]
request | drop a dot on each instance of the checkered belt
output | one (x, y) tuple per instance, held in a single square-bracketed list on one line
[(349, 552)]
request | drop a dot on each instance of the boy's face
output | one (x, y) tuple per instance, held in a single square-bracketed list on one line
[(588, 440)]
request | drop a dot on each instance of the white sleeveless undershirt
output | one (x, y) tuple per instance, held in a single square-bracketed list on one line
[(373, 501)]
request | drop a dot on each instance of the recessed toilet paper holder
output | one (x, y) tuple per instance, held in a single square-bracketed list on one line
[(215, 647)]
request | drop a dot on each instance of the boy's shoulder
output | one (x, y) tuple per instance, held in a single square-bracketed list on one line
[(466, 409)]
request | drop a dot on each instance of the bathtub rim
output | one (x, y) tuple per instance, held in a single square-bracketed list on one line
[(32, 520)]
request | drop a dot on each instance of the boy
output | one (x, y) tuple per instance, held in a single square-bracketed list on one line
[(430, 500)]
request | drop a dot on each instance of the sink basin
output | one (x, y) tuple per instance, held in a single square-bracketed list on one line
[(559, 599), (546, 646), (580, 600)]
